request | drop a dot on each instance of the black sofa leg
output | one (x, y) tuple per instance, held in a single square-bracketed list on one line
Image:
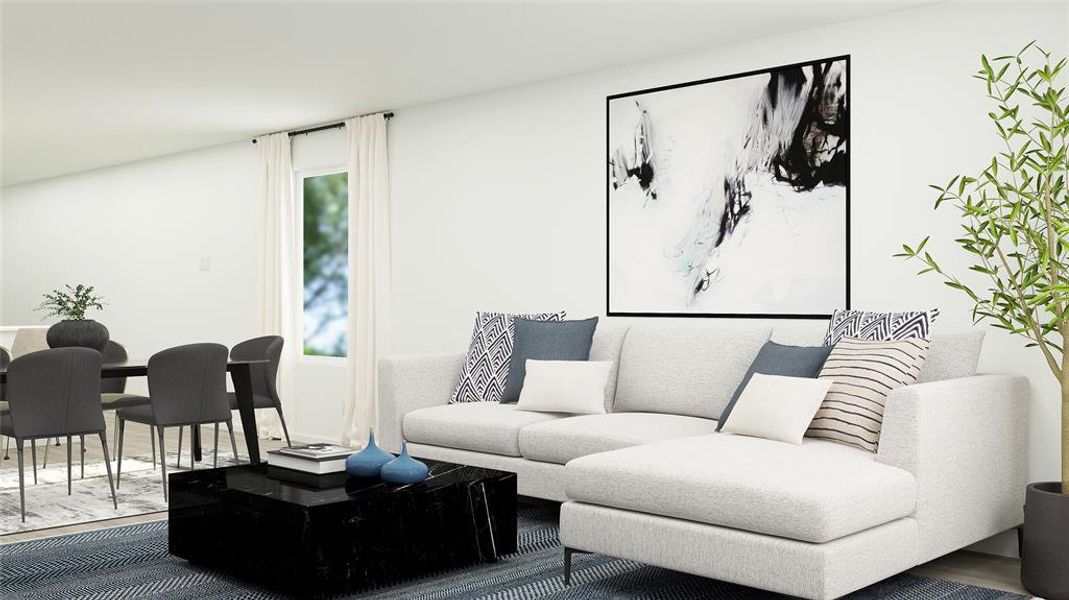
[(568, 552)]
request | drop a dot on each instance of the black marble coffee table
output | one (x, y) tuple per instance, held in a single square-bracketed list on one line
[(355, 534)]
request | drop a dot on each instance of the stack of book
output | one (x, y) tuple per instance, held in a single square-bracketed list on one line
[(316, 459)]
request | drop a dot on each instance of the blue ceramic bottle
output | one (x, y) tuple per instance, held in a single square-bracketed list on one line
[(368, 462), (404, 469)]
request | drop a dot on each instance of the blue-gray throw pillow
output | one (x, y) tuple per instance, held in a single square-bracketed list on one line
[(777, 359), (545, 340)]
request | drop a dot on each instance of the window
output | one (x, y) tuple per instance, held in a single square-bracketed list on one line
[(326, 263)]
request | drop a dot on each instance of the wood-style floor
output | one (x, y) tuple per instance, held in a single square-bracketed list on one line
[(972, 568)]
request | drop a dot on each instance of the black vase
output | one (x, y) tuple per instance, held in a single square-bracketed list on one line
[(81, 333), (1045, 541)]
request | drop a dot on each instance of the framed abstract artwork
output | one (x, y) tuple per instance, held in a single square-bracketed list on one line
[(730, 196)]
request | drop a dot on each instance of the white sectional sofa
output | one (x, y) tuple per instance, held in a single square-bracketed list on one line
[(651, 481)]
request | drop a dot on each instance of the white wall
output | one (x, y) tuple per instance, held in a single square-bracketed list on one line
[(499, 202), (138, 233)]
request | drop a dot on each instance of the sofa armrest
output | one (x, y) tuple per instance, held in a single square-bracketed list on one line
[(409, 382), (965, 441)]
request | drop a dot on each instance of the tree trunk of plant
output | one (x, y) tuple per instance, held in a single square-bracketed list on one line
[(1065, 435)]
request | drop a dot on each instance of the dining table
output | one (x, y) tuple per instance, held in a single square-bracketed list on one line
[(241, 376)]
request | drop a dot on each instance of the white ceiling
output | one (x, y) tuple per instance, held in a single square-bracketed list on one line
[(87, 84)]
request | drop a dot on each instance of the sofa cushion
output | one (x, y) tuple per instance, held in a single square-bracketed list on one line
[(879, 326), (478, 426), (684, 368), (606, 345), (487, 363), (816, 492), (952, 355), (545, 340), (779, 359), (562, 440)]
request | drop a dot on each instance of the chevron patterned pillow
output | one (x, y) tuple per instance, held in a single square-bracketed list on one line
[(486, 367), (880, 326)]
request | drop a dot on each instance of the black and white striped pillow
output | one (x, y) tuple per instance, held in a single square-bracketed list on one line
[(880, 326), (863, 373)]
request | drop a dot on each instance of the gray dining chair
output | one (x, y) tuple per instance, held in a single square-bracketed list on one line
[(263, 376), (54, 393), (113, 394), (27, 340), (186, 387)]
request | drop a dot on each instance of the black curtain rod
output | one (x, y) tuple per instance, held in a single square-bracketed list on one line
[(388, 116)]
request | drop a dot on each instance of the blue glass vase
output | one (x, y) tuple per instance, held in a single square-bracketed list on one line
[(369, 461), (404, 469)]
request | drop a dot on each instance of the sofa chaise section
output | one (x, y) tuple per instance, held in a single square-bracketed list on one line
[(957, 446), (816, 492), (803, 569)]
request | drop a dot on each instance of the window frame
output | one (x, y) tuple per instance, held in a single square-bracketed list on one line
[(299, 175)]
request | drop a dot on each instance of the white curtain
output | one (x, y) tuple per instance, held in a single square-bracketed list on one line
[(369, 271), (280, 271)]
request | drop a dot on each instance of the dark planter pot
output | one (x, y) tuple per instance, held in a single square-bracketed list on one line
[(84, 333), (1045, 541)]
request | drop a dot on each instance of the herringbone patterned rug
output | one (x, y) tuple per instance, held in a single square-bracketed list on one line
[(132, 562)]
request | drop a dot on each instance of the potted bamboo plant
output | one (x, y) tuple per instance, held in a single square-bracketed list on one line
[(74, 329), (1015, 226)]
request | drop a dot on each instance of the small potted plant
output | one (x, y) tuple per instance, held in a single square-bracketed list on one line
[(74, 329), (1015, 224)]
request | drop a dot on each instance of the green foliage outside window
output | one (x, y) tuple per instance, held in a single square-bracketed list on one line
[(326, 264)]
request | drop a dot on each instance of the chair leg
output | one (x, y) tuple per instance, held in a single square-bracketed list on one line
[(115, 435), (70, 459), (48, 442), (177, 461), (153, 438), (33, 455), (118, 454), (285, 430), (81, 453), (233, 442), (192, 463), (107, 464), (22, 479), (215, 452), (163, 461), (7, 447)]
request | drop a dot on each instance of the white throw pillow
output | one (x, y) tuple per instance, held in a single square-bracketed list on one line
[(775, 407), (565, 386)]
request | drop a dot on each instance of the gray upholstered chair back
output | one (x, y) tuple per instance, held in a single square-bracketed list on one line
[(263, 375), (55, 393), (187, 384), (113, 352)]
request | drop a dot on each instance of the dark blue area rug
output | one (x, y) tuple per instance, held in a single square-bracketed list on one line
[(132, 562)]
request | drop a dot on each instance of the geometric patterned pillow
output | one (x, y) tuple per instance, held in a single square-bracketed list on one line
[(486, 367), (863, 373), (879, 326)]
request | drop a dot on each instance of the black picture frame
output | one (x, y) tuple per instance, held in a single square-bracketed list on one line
[(608, 196)]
